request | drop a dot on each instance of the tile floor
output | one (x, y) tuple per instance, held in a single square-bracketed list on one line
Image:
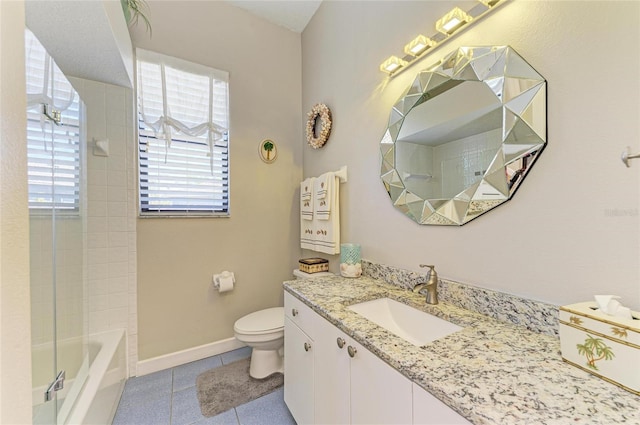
[(168, 397)]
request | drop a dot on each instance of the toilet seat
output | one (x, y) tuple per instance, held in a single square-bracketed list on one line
[(261, 322)]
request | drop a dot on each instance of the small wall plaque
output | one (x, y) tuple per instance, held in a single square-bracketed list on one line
[(268, 151)]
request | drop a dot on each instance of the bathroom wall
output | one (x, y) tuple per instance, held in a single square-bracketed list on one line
[(178, 308), (111, 216), (572, 230), (15, 335)]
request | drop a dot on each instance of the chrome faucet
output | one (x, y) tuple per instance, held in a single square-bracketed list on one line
[(431, 285)]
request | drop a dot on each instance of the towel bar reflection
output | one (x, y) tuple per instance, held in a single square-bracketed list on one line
[(626, 156)]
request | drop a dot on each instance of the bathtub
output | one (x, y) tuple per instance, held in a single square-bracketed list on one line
[(101, 393), (96, 386)]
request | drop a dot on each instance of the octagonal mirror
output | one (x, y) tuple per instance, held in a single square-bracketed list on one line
[(464, 135)]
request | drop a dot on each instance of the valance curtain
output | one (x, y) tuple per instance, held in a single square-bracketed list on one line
[(46, 84), (53, 149), (176, 95)]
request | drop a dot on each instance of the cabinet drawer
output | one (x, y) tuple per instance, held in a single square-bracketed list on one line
[(299, 313)]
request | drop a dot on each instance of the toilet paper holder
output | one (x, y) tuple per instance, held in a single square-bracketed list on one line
[(221, 281)]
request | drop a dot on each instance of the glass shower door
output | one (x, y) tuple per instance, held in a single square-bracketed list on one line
[(57, 235)]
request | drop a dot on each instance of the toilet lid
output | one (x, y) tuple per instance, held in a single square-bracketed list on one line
[(261, 321)]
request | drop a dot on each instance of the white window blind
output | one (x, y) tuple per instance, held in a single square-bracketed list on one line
[(53, 150), (183, 137)]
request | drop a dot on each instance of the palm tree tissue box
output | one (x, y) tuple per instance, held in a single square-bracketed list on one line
[(603, 343)]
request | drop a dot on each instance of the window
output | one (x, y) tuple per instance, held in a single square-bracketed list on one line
[(183, 143), (53, 149)]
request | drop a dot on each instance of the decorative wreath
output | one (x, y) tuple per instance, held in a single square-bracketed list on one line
[(318, 111)]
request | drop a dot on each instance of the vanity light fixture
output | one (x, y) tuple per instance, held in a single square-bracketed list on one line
[(489, 3), (446, 27), (453, 21), (418, 46), (392, 64)]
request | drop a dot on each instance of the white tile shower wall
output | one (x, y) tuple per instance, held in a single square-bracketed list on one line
[(111, 221)]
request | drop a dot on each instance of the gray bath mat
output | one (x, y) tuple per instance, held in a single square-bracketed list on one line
[(229, 386)]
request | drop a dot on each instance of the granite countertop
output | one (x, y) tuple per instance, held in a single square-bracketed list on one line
[(490, 372)]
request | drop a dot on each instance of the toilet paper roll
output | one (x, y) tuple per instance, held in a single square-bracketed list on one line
[(224, 282)]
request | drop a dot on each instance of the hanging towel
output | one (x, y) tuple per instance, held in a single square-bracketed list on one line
[(306, 199), (307, 223), (327, 217), (324, 188), (307, 232)]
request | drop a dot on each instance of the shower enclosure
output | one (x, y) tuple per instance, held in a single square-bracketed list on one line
[(57, 219)]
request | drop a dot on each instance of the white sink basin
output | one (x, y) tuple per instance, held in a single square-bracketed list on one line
[(414, 326)]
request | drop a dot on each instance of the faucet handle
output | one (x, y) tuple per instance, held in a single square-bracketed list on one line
[(433, 275), (432, 270)]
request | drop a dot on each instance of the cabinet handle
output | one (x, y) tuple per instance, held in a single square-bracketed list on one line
[(340, 342), (294, 312), (307, 346), (352, 351)]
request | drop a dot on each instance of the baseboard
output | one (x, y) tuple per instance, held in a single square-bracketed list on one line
[(145, 367)]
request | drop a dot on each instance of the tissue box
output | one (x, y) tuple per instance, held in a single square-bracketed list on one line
[(603, 345), (313, 265)]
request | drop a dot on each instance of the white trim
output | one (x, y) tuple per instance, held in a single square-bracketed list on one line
[(178, 358)]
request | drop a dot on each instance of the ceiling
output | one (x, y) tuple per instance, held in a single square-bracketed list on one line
[(96, 43), (291, 14), (87, 39)]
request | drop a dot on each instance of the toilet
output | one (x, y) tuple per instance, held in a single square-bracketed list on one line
[(263, 331)]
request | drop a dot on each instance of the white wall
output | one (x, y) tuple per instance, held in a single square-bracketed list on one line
[(572, 230), (15, 337), (177, 306)]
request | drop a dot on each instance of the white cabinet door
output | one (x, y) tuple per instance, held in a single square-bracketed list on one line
[(298, 372), (331, 374), (379, 393), (428, 410)]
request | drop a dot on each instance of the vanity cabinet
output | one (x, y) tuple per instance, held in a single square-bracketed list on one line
[(353, 385), (379, 393), (428, 410), (323, 384), (335, 380), (298, 360), (332, 371)]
